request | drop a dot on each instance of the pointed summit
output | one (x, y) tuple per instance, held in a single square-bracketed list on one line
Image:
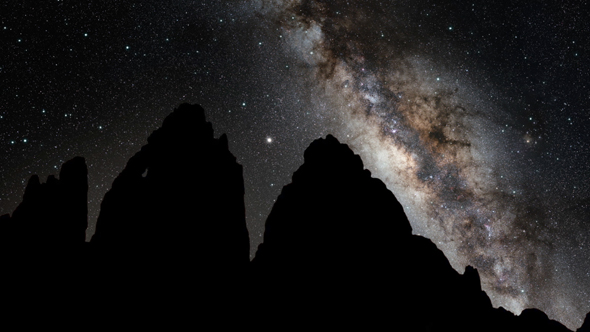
[(54, 213), (179, 200), (333, 208)]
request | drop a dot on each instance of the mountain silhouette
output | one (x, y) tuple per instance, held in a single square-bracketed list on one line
[(338, 249), (52, 214), (156, 205), (337, 244)]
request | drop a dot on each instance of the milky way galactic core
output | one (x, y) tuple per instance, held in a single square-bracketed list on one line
[(474, 113), (424, 119)]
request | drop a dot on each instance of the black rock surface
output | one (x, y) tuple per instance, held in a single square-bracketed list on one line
[(179, 201), (338, 249), (52, 214)]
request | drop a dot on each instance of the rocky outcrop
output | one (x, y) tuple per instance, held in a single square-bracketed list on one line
[(44, 254), (179, 202), (333, 214), (338, 249), (338, 242), (52, 214)]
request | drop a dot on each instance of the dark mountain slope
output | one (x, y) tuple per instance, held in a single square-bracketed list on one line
[(179, 201), (338, 249)]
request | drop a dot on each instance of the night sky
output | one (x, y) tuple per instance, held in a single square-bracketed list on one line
[(474, 113)]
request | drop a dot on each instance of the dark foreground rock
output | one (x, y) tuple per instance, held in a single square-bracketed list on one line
[(52, 214), (338, 249), (179, 201)]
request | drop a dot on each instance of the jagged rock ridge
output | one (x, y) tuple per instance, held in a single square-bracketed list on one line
[(52, 214), (338, 248), (181, 197)]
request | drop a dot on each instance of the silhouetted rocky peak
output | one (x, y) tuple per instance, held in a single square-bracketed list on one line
[(180, 197), (53, 213), (338, 242), (333, 213), (338, 232), (338, 249), (326, 159)]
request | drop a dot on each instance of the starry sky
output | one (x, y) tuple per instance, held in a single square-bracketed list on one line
[(474, 113)]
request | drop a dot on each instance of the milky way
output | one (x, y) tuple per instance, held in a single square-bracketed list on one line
[(432, 136), (474, 113)]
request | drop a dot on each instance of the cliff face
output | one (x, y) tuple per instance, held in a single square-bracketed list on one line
[(43, 250), (180, 200), (332, 214), (338, 242), (52, 214), (338, 249)]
